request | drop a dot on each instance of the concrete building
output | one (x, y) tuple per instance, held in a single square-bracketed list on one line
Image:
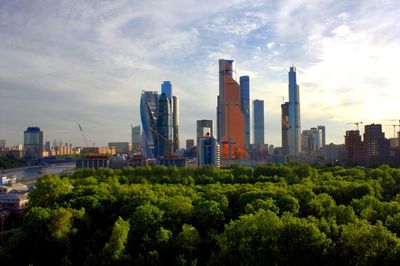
[(135, 139), (120, 147), (258, 123), (204, 127), (334, 153), (323, 131), (209, 152), (33, 143), (95, 162), (189, 143)]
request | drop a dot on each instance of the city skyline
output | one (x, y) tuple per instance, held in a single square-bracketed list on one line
[(64, 63)]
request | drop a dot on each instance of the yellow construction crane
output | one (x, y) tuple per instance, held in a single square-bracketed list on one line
[(356, 123)]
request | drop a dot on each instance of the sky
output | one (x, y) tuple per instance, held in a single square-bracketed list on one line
[(84, 61)]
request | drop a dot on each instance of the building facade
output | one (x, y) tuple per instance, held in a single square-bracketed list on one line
[(285, 128), (209, 152), (258, 123), (164, 126), (230, 118), (203, 127), (175, 122), (149, 115), (323, 131), (294, 133), (166, 88), (245, 104), (33, 143), (135, 139)]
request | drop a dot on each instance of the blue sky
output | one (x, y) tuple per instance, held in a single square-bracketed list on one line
[(66, 62)]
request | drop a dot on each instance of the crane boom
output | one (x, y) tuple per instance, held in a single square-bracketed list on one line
[(83, 135)]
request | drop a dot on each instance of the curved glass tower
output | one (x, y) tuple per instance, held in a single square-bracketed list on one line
[(148, 115), (164, 128)]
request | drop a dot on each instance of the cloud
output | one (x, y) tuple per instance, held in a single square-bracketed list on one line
[(88, 61)]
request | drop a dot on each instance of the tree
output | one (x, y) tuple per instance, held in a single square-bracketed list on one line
[(114, 249), (49, 190)]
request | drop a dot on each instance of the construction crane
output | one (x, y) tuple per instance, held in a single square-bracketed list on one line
[(394, 126), (356, 123), (83, 136)]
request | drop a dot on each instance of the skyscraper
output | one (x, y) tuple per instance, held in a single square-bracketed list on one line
[(33, 143), (164, 127), (245, 103), (175, 122), (285, 128), (230, 119), (149, 115), (166, 88), (294, 114), (2, 143), (135, 139), (322, 128), (258, 114), (204, 127)]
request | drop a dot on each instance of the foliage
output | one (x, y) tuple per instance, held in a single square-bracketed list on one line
[(272, 215)]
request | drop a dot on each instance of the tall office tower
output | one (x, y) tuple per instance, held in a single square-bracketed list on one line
[(2, 143), (148, 115), (166, 88), (245, 104), (204, 127), (33, 143), (164, 127), (285, 128), (322, 128), (352, 142), (258, 123), (231, 120), (209, 151), (294, 114), (135, 139), (175, 122)]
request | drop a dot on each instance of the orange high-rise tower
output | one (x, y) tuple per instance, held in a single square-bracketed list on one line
[(230, 119)]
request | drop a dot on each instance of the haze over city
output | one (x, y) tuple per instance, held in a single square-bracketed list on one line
[(66, 62)]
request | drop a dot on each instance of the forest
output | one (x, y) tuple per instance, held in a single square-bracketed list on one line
[(291, 214)]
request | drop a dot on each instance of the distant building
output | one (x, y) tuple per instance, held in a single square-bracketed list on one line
[(149, 115), (285, 128), (311, 140), (230, 118), (352, 142), (294, 133), (13, 195), (95, 162), (164, 126), (323, 131), (33, 143), (2, 143), (120, 147), (209, 152), (98, 151), (258, 114), (203, 128), (245, 104), (135, 139), (166, 88), (175, 122), (334, 153), (189, 143)]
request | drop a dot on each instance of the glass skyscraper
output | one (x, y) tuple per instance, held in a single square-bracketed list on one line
[(230, 118), (33, 143), (164, 127), (285, 128), (149, 115), (245, 104), (166, 88), (294, 133), (258, 114)]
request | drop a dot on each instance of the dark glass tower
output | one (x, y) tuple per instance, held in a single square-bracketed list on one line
[(148, 115), (245, 104), (258, 114), (164, 127)]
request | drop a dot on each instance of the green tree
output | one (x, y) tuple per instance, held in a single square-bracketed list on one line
[(114, 249), (49, 190)]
